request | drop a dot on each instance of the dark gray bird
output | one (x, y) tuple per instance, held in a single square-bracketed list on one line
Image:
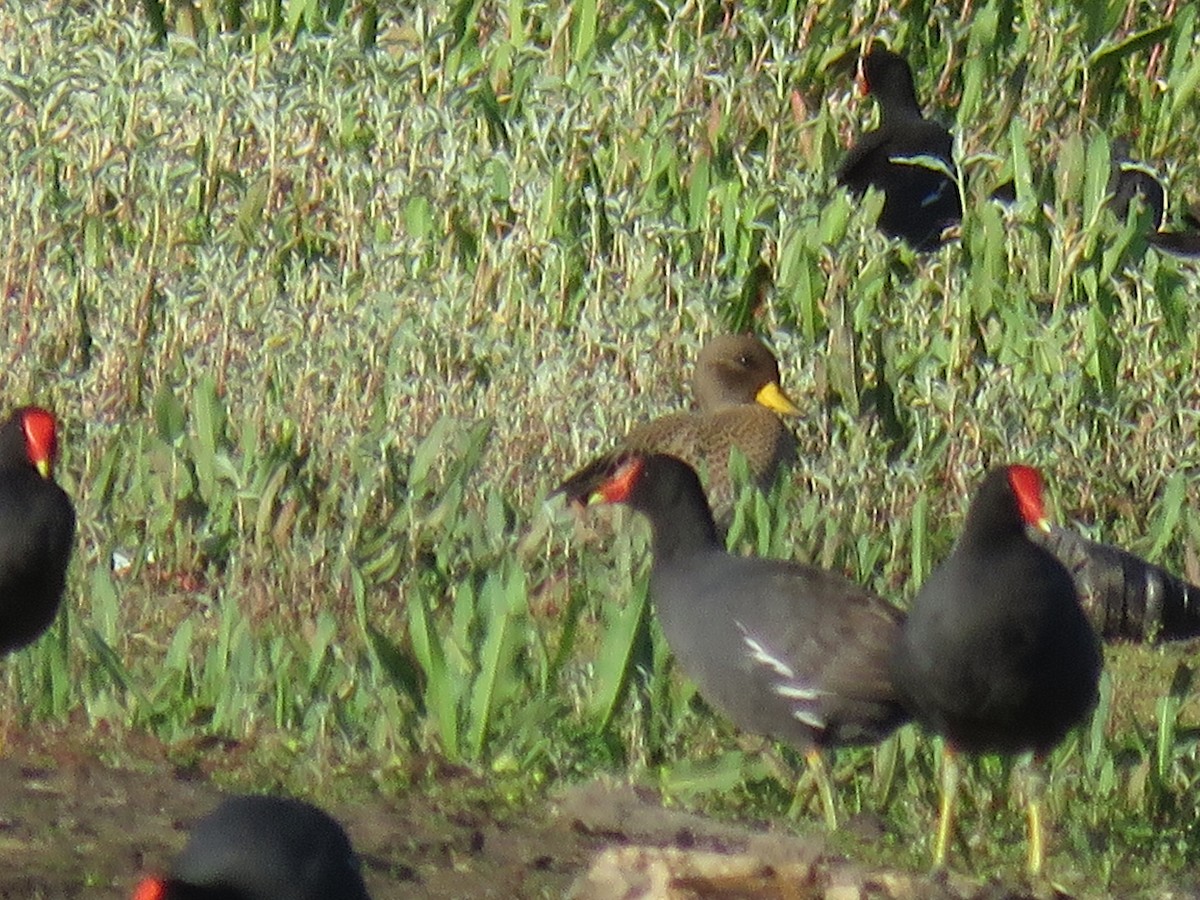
[(782, 649), (1125, 597), (262, 848)]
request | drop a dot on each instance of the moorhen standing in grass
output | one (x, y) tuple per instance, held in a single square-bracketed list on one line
[(908, 157), (996, 655), (1129, 179), (262, 848), (1125, 597), (781, 648), (737, 389), (37, 527), (1135, 179)]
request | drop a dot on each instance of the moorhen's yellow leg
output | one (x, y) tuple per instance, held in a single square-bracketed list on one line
[(7, 705), (1035, 786), (820, 771), (946, 806)]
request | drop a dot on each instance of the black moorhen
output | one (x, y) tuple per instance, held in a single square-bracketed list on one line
[(908, 157), (37, 527), (1125, 597), (262, 848), (1130, 179), (1135, 179), (996, 655)]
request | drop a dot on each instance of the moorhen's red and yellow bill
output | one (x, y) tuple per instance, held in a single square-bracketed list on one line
[(782, 649), (262, 848), (37, 527), (996, 654), (908, 157)]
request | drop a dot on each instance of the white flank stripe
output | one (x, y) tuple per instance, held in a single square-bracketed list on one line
[(811, 719), (796, 691), (761, 654), (789, 688), (804, 696)]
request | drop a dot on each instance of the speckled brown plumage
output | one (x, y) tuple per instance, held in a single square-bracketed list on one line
[(740, 402)]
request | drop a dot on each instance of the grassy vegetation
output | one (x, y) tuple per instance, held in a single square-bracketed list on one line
[(326, 323)]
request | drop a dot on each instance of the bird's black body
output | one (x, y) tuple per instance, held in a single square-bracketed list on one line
[(997, 655), (1125, 597), (262, 848), (37, 529), (1131, 180), (908, 157)]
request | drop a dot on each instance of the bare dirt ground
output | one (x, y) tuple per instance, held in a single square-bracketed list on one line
[(74, 824)]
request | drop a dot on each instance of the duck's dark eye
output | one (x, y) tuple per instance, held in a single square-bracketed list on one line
[(745, 361)]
